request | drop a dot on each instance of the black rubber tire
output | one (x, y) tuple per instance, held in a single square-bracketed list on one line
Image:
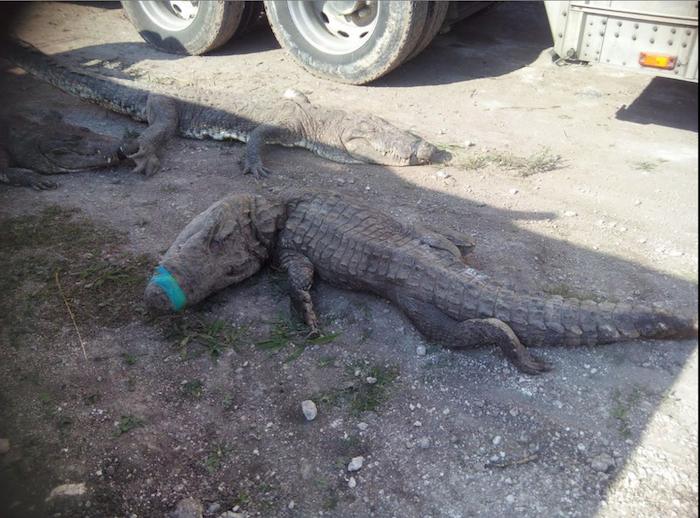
[(399, 28), (437, 11), (214, 24)]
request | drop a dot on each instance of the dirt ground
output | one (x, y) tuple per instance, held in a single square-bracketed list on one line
[(207, 405)]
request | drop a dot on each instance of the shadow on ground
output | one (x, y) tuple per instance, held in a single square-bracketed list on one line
[(149, 460), (666, 102)]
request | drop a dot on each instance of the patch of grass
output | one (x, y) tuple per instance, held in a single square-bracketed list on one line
[(645, 165), (127, 423), (192, 389), (327, 361), (102, 285), (622, 406), (359, 395), (541, 161), (193, 334), (215, 457), (129, 359), (242, 499), (287, 332)]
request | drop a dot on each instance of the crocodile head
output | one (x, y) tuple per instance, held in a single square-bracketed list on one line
[(53, 146), (372, 140), (223, 245)]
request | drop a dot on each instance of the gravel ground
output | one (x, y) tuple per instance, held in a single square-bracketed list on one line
[(202, 414)]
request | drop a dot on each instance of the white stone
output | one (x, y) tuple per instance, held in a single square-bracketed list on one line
[(67, 490), (352, 483), (421, 350), (356, 463), (308, 407)]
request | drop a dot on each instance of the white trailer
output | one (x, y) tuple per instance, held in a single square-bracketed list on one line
[(653, 37)]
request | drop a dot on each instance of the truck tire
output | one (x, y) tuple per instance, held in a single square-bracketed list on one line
[(437, 11), (182, 27), (348, 41)]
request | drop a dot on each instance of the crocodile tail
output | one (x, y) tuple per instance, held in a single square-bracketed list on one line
[(101, 90), (559, 321)]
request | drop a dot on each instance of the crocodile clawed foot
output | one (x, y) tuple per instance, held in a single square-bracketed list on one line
[(147, 163), (27, 178), (43, 185), (532, 365), (257, 170)]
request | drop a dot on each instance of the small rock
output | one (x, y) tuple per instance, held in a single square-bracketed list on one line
[(637, 203), (308, 407), (581, 447), (362, 426), (468, 143), (421, 350), (570, 214), (68, 490), (417, 424), (514, 191), (356, 463), (4, 446), (291, 505), (496, 440), (424, 443), (510, 499), (213, 508), (558, 404), (352, 483), (442, 174), (371, 380), (603, 463)]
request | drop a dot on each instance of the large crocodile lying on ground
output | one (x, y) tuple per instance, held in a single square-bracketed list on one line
[(352, 246), (30, 149), (294, 121)]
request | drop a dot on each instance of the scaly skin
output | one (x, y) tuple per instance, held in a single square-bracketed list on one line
[(333, 134), (352, 246), (30, 149)]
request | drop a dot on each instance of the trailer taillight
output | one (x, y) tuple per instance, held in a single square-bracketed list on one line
[(647, 59)]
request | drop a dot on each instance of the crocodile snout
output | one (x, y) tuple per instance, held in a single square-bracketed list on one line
[(424, 153)]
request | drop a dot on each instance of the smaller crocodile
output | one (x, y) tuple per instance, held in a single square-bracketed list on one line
[(294, 121), (422, 271), (30, 149)]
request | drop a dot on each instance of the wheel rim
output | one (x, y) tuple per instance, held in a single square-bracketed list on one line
[(335, 27), (173, 15)]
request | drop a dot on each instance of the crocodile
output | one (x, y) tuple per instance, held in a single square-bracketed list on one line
[(30, 149), (422, 271), (337, 135)]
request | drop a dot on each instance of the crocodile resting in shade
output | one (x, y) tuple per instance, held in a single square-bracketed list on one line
[(422, 271), (337, 135)]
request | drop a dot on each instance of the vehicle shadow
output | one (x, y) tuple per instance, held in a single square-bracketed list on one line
[(493, 42), (507, 251), (666, 102)]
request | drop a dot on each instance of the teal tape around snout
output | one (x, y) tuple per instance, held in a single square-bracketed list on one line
[(166, 282)]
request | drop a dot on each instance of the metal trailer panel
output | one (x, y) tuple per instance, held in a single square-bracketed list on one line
[(617, 32)]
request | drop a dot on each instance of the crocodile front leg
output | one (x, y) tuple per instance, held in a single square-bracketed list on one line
[(21, 177), (257, 140), (301, 274), (435, 325), (162, 116)]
